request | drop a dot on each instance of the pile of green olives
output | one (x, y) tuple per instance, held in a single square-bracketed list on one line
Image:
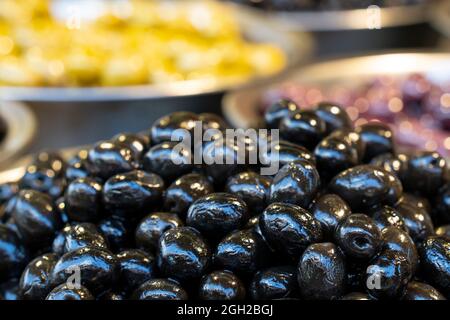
[(347, 216)]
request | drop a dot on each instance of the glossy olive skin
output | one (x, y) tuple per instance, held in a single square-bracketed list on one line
[(98, 268), (283, 153), (221, 285), (109, 158), (160, 289), (184, 191), (77, 166), (83, 200), (138, 143), (364, 187), (163, 128), (13, 254), (334, 116), (356, 296), (378, 139), (212, 121), (36, 218), (443, 231), (151, 228), (416, 201), (112, 296), (76, 236), (296, 183), (167, 162), (217, 214), (359, 237), (417, 220), (387, 216), (422, 291), (289, 229), (242, 252), (43, 180), (435, 262), (321, 272), (278, 111), (274, 283), (49, 160), (63, 293), (7, 191), (387, 275), (183, 253), (135, 268), (426, 173), (397, 240), (352, 138), (117, 233), (330, 210), (132, 193), (35, 280), (397, 164), (304, 128), (442, 204)]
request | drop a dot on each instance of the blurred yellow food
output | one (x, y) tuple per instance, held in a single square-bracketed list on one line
[(129, 43)]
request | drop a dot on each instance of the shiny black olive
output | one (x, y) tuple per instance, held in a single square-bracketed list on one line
[(76, 236), (212, 121), (132, 193), (13, 254), (278, 111), (221, 285), (252, 188), (397, 164), (36, 218), (151, 228), (296, 183), (77, 166), (84, 200), (163, 128), (44, 180), (378, 139), (95, 268), (352, 138), (304, 128), (65, 292), (359, 236), (416, 201), (49, 160), (116, 232), (435, 262), (112, 296), (422, 291), (35, 281), (443, 231), (135, 268), (397, 240), (387, 275), (160, 289), (10, 290), (281, 153), (329, 210), (356, 296), (242, 251), (183, 254), (321, 272), (60, 206), (274, 283), (289, 228), (387, 216), (184, 191), (168, 160), (364, 187), (109, 158), (417, 220), (442, 204), (334, 116), (217, 214), (7, 191), (139, 143)]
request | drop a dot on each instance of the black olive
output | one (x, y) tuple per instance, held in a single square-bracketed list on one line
[(163, 128), (396, 164), (296, 183), (242, 251), (221, 285), (60, 206), (95, 268), (304, 128), (112, 296), (160, 289), (65, 292), (289, 228), (329, 210), (76, 236), (422, 291), (378, 139), (364, 187), (77, 166), (43, 180), (84, 200), (135, 268), (417, 220), (132, 193), (321, 272), (151, 228), (352, 138), (13, 254), (435, 262), (212, 121), (217, 214), (359, 236), (49, 160), (116, 232), (183, 254), (169, 159), (139, 143), (387, 275), (278, 111), (416, 201), (387, 216), (7, 191), (280, 154), (356, 296), (442, 204), (184, 191), (397, 240), (274, 283), (443, 231), (35, 281), (334, 116), (36, 218)]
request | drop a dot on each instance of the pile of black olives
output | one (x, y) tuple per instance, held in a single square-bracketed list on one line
[(347, 216)]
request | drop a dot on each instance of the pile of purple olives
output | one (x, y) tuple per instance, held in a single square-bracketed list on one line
[(347, 216)]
